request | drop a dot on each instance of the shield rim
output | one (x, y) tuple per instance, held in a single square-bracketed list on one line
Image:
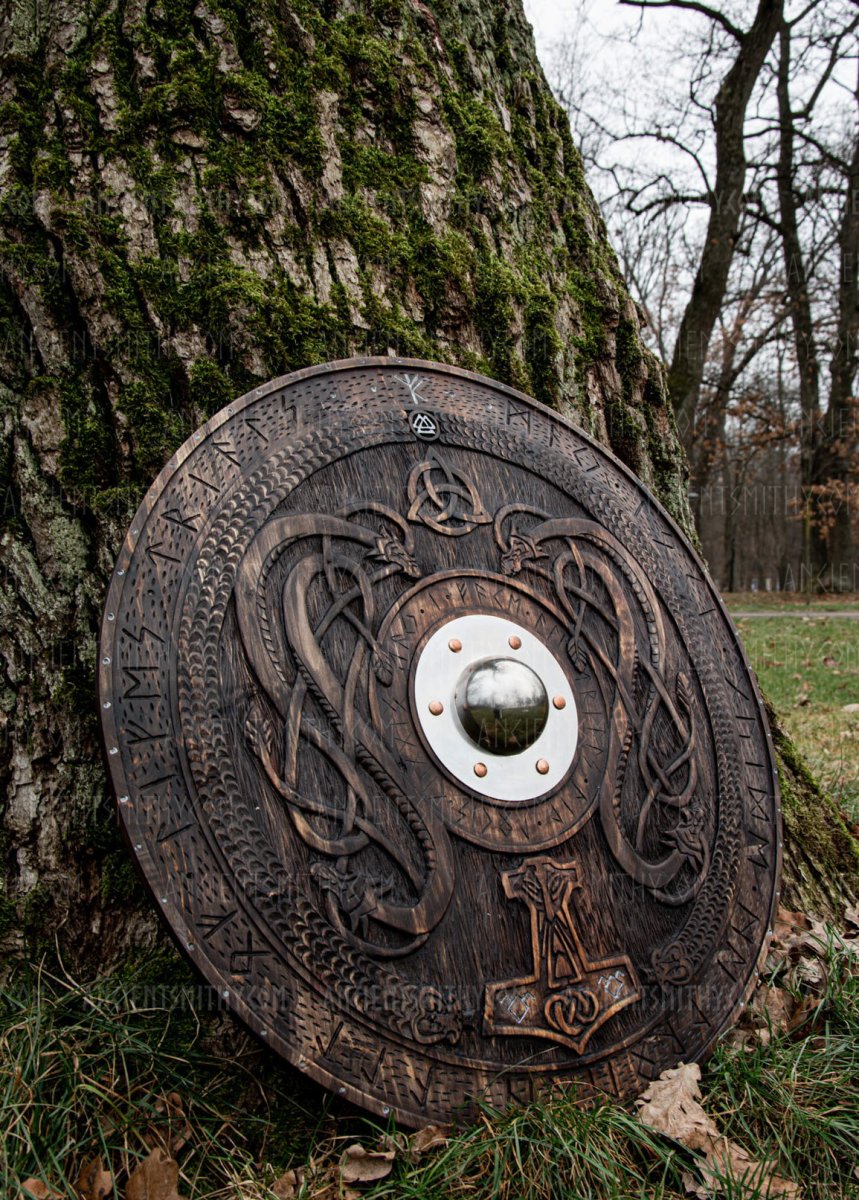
[(184, 936)]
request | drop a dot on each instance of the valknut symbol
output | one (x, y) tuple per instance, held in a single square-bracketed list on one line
[(424, 425), (567, 997)]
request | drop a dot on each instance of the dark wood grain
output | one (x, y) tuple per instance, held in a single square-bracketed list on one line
[(404, 940)]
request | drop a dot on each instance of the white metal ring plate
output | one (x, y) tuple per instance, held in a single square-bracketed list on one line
[(512, 777)]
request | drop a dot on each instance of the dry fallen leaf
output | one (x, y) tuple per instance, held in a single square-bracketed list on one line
[(36, 1189), (694, 1187), (94, 1182), (324, 1182), (358, 1165), (155, 1178), (796, 936), (672, 1107), (775, 1009), (776, 1004), (289, 1184), (811, 974), (788, 922), (178, 1131), (732, 1162), (745, 1039), (431, 1137)]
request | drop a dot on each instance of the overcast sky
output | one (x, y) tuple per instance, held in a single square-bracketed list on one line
[(649, 60), (551, 20), (616, 47)]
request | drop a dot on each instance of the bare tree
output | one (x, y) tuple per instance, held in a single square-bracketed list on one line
[(840, 462), (725, 199), (825, 437), (763, 123)]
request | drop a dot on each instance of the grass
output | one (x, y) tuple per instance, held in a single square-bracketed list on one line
[(83, 1071), (791, 602), (799, 1096), (546, 1150), (809, 669), (88, 1070)]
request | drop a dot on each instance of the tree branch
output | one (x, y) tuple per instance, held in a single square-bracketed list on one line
[(805, 112), (670, 140), (693, 6)]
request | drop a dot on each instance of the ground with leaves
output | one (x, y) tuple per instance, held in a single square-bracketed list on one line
[(113, 1091)]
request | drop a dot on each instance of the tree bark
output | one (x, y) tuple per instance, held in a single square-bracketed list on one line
[(196, 200), (811, 447), (842, 416)]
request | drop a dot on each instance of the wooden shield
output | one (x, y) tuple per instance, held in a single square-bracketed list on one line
[(436, 746)]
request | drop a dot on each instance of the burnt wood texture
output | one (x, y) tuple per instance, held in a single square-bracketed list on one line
[(398, 932)]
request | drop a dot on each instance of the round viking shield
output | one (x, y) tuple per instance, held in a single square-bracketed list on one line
[(435, 744)]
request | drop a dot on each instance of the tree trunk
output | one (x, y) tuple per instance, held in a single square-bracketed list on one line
[(842, 415), (811, 447), (198, 199), (827, 441)]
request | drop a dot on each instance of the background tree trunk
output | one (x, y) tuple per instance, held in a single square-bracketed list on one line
[(200, 198), (798, 288), (842, 413)]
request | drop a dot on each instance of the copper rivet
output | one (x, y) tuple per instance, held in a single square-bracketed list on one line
[(480, 770), (514, 642), (559, 702), (436, 707), (455, 645), (542, 766)]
